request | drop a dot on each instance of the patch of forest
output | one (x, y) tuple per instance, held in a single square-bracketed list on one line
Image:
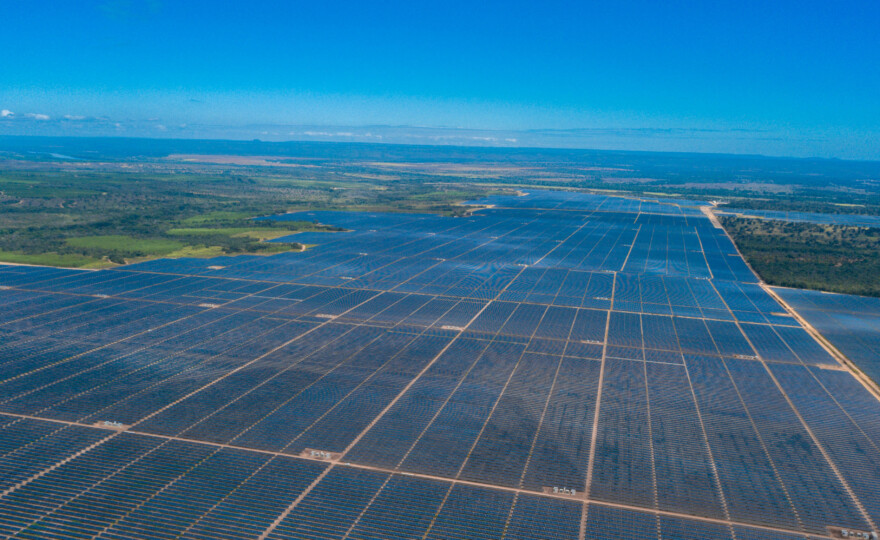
[(833, 258), (824, 203)]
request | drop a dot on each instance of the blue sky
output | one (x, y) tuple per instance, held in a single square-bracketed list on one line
[(784, 77)]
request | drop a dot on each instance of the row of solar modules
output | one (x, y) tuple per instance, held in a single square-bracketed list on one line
[(697, 298), (74, 364), (152, 287), (125, 381), (383, 258), (74, 325), (562, 200), (751, 303), (817, 495), (328, 402), (852, 440), (280, 299), (303, 413), (651, 449), (321, 392), (40, 340), (830, 302), (73, 331), (478, 418), (479, 238), (434, 451), (723, 258), (154, 347), (667, 251), (629, 292), (522, 322), (131, 486), (609, 242), (850, 323), (390, 309)]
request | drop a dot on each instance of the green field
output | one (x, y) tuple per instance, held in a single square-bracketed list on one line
[(141, 246), (69, 260)]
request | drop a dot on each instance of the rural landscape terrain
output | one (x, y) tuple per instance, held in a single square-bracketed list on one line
[(218, 339), (132, 200)]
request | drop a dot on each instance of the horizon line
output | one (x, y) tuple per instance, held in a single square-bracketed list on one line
[(435, 144)]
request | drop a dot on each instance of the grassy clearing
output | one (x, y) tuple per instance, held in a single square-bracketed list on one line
[(145, 246), (209, 231), (214, 218), (206, 252), (448, 195), (68, 260), (263, 234), (199, 252), (34, 188), (260, 234), (50, 259)]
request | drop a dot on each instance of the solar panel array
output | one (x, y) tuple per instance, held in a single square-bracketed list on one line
[(850, 323), (559, 366)]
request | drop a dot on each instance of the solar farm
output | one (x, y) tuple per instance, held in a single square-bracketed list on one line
[(552, 366), (849, 322)]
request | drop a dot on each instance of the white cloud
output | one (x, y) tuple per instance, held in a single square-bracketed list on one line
[(6, 113), (73, 117), (37, 116)]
